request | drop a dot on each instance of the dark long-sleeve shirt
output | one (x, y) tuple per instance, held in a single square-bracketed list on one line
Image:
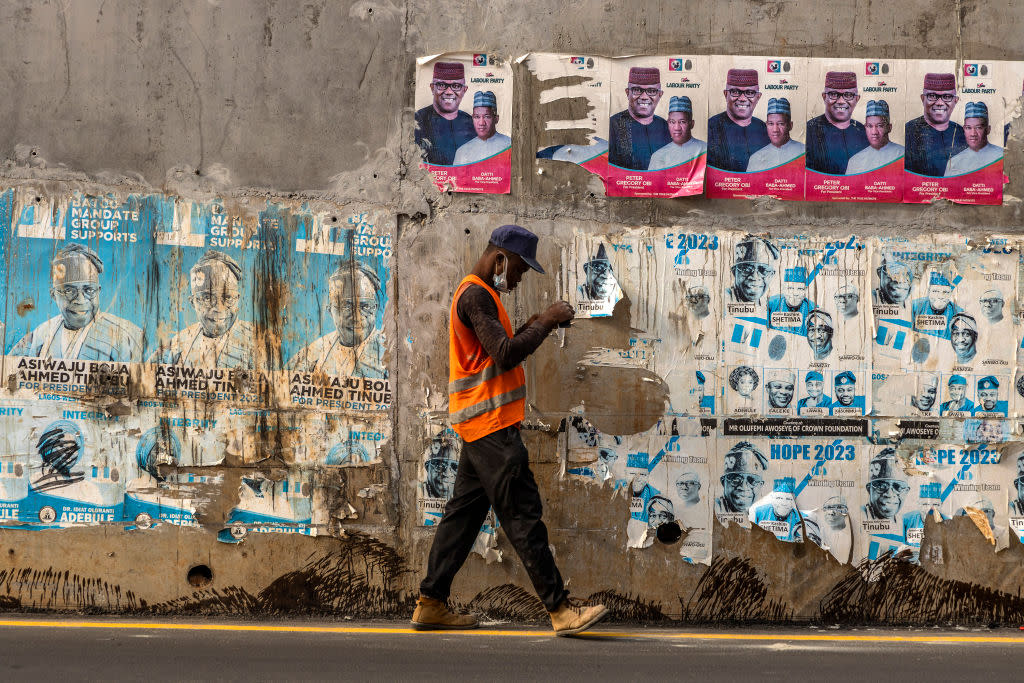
[(631, 143), (829, 148), (477, 311), (731, 145), (929, 150), (440, 137)]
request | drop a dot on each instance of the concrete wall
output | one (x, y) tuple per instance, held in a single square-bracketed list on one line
[(290, 102)]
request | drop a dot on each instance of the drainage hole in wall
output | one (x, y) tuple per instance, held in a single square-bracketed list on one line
[(200, 575)]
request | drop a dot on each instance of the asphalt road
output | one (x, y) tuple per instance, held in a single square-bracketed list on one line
[(33, 648)]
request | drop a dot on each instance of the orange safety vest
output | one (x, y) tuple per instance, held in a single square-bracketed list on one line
[(482, 398)]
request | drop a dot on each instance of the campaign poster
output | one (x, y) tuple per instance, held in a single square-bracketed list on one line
[(752, 262), (1014, 479), (191, 434), (156, 492), (972, 482), (85, 309), (215, 332), (774, 509), (827, 476), (566, 79), (795, 331), (818, 329), (590, 283), (955, 146), (855, 117), (757, 119), (436, 485), (270, 505), (1017, 311), (688, 312), (898, 266), (988, 430), (743, 475), (436, 477), (645, 484), (1017, 392), (592, 455), (657, 126), (941, 316), (334, 342), (338, 440), (895, 498), (63, 465), (676, 495), (464, 121)]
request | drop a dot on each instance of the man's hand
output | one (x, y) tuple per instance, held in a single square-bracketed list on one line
[(558, 312)]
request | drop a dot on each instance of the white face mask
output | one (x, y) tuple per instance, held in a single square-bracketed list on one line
[(500, 282)]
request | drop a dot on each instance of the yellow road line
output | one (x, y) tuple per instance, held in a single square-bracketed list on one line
[(382, 630)]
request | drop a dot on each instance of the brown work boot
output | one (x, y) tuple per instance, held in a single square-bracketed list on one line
[(434, 615), (574, 617)]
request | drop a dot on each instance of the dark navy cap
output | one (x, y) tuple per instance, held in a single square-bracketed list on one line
[(518, 240)]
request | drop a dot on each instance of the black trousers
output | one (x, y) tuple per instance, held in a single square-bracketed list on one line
[(494, 471)]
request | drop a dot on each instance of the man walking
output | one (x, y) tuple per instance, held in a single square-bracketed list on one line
[(486, 399)]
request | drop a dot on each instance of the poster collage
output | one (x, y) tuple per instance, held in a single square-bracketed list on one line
[(858, 496), (142, 334), (802, 369), (793, 128)]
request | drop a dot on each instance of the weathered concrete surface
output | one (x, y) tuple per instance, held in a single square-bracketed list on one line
[(313, 100)]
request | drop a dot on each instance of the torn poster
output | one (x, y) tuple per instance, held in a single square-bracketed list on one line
[(644, 494), (210, 343), (92, 323), (340, 440), (777, 511), (939, 317), (971, 482), (895, 498), (1016, 495), (464, 121), (686, 268), (579, 78), (592, 455), (794, 327), (745, 470), (681, 475), (268, 506), (589, 277), (756, 127), (855, 130), (334, 338), (437, 478), (61, 466), (657, 127), (1011, 89), (158, 493), (949, 154), (436, 486), (827, 476)]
